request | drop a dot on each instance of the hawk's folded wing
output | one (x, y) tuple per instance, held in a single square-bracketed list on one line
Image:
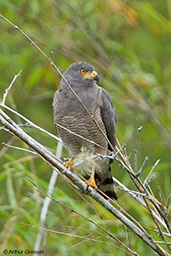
[(109, 117)]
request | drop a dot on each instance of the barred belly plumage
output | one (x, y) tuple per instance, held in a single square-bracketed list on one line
[(86, 128)]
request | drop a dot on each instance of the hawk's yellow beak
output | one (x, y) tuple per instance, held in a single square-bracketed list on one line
[(92, 75)]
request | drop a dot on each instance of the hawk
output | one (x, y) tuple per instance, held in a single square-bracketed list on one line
[(81, 136)]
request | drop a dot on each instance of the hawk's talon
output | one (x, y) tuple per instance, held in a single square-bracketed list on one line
[(69, 163), (91, 182)]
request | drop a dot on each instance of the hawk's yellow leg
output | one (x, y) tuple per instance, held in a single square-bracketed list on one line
[(91, 181), (69, 163)]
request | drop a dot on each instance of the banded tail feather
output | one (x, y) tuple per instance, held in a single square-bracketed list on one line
[(105, 183)]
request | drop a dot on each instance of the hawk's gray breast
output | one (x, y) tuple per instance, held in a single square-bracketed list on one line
[(77, 129)]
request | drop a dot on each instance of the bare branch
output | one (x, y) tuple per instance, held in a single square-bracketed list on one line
[(149, 175), (156, 216), (133, 192), (141, 187), (142, 166), (136, 148), (10, 141), (61, 233), (161, 242), (22, 149), (156, 230), (30, 123), (9, 87)]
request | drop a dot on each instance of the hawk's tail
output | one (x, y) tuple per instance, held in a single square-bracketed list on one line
[(106, 184)]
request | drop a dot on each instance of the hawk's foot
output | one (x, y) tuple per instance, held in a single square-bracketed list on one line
[(69, 163), (91, 182)]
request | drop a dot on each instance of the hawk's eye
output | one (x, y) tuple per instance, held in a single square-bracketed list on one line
[(83, 71)]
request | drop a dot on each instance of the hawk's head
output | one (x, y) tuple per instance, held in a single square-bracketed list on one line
[(81, 72)]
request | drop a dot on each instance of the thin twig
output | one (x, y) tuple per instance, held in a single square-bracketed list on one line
[(30, 123), (142, 167), (143, 188), (156, 230), (22, 149), (60, 232), (4, 149), (161, 242), (149, 175), (157, 225), (136, 149), (9, 87), (159, 219), (133, 192)]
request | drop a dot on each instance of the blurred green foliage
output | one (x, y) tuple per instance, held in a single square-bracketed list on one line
[(129, 43)]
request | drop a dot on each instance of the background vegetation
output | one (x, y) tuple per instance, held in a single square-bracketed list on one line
[(129, 43)]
